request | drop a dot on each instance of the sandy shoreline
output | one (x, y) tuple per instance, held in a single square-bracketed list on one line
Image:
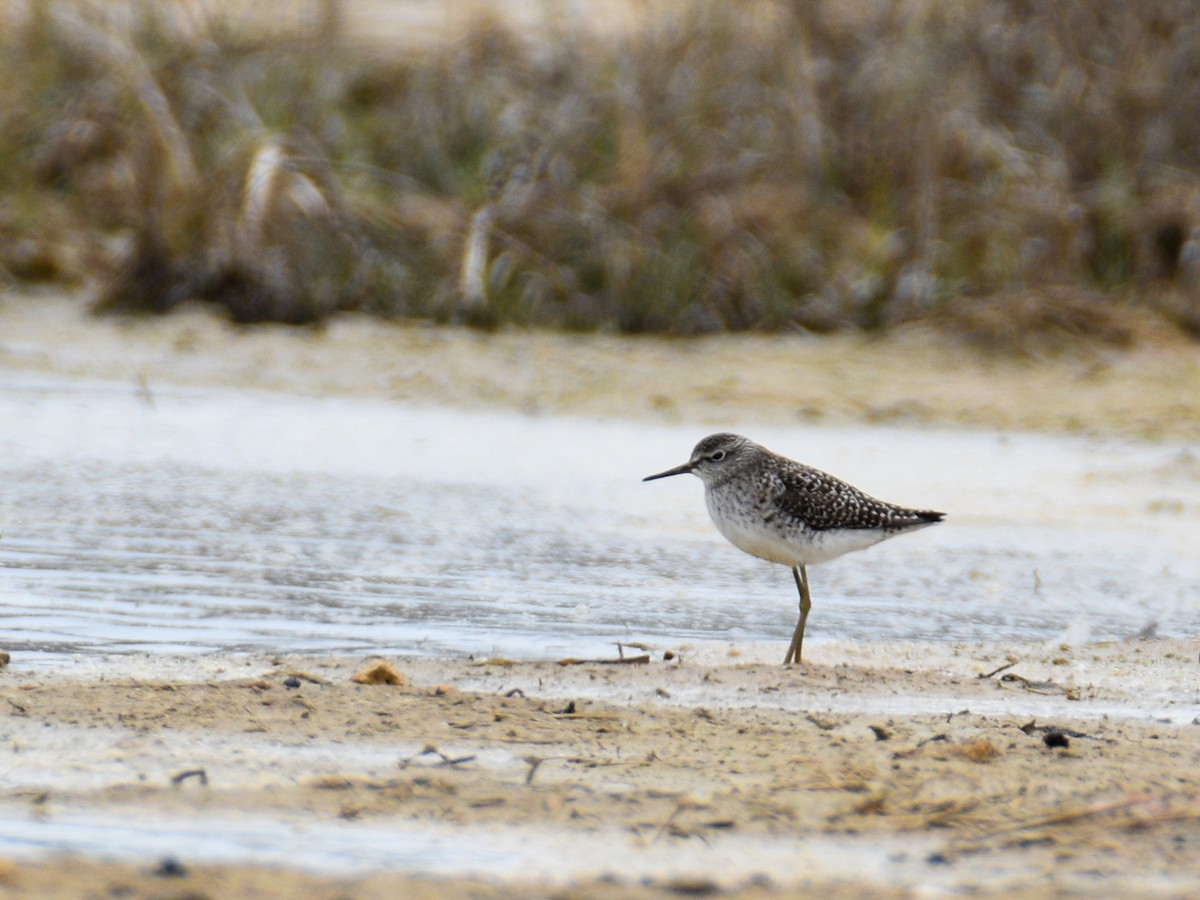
[(912, 377), (1060, 773), (882, 770)]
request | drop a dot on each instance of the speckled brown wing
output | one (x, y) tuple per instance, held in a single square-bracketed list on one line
[(823, 502)]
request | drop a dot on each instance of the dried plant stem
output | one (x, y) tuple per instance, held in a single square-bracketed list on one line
[(472, 279), (132, 69)]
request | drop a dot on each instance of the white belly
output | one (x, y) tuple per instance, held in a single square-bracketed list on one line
[(799, 548)]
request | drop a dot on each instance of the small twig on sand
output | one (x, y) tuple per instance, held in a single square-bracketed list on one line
[(445, 760), (1039, 687), (1031, 727), (999, 670), (667, 821), (21, 711), (1138, 809), (621, 645), (534, 763), (623, 660)]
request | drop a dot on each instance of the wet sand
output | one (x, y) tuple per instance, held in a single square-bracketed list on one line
[(913, 377), (1038, 770), (883, 770)]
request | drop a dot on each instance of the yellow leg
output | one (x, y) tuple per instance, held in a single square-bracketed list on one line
[(801, 575)]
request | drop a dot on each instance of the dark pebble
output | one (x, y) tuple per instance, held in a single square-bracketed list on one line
[(170, 867), (1055, 739)]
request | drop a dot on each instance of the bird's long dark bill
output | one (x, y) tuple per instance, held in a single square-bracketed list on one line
[(678, 470)]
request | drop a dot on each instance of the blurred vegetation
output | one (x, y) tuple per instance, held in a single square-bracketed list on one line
[(1003, 168)]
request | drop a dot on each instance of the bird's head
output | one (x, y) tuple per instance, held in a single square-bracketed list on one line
[(714, 458)]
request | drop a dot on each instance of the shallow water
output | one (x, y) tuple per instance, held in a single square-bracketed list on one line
[(546, 855), (248, 521)]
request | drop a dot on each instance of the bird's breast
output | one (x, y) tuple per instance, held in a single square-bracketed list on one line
[(753, 528)]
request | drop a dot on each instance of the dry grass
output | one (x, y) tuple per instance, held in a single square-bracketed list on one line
[(1011, 170)]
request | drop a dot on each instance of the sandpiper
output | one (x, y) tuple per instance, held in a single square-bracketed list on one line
[(780, 510)]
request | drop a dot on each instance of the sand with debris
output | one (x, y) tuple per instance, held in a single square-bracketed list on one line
[(1031, 769)]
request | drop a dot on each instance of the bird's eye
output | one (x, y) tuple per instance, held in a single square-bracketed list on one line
[(718, 456)]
